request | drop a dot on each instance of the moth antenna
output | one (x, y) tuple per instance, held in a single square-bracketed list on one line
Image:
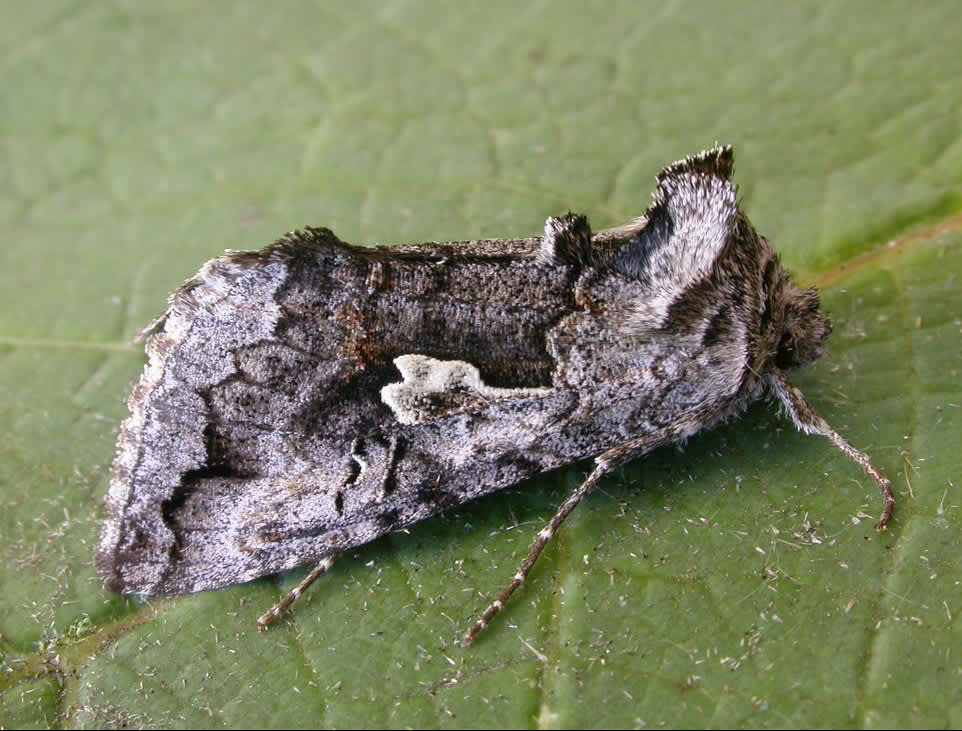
[(810, 422), (268, 617)]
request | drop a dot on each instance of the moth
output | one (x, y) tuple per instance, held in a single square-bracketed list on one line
[(304, 399)]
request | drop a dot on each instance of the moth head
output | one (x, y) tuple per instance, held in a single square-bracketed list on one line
[(803, 331)]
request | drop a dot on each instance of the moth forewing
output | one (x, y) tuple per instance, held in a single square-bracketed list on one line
[(305, 399)]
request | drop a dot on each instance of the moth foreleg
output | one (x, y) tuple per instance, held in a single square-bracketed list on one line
[(282, 606), (604, 464), (810, 422)]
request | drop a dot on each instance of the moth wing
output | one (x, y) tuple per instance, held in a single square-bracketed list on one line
[(201, 357), (265, 431)]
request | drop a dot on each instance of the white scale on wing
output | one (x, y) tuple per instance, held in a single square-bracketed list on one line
[(433, 388)]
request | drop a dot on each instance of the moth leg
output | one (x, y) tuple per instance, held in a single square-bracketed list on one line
[(264, 621), (604, 463), (809, 422)]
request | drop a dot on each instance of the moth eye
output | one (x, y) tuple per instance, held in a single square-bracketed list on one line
[(802, 341), (785, 354)]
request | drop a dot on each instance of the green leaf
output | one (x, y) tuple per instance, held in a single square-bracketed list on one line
[(739, 582)]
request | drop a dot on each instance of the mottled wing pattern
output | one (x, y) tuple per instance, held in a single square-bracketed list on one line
[(307, 398)]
